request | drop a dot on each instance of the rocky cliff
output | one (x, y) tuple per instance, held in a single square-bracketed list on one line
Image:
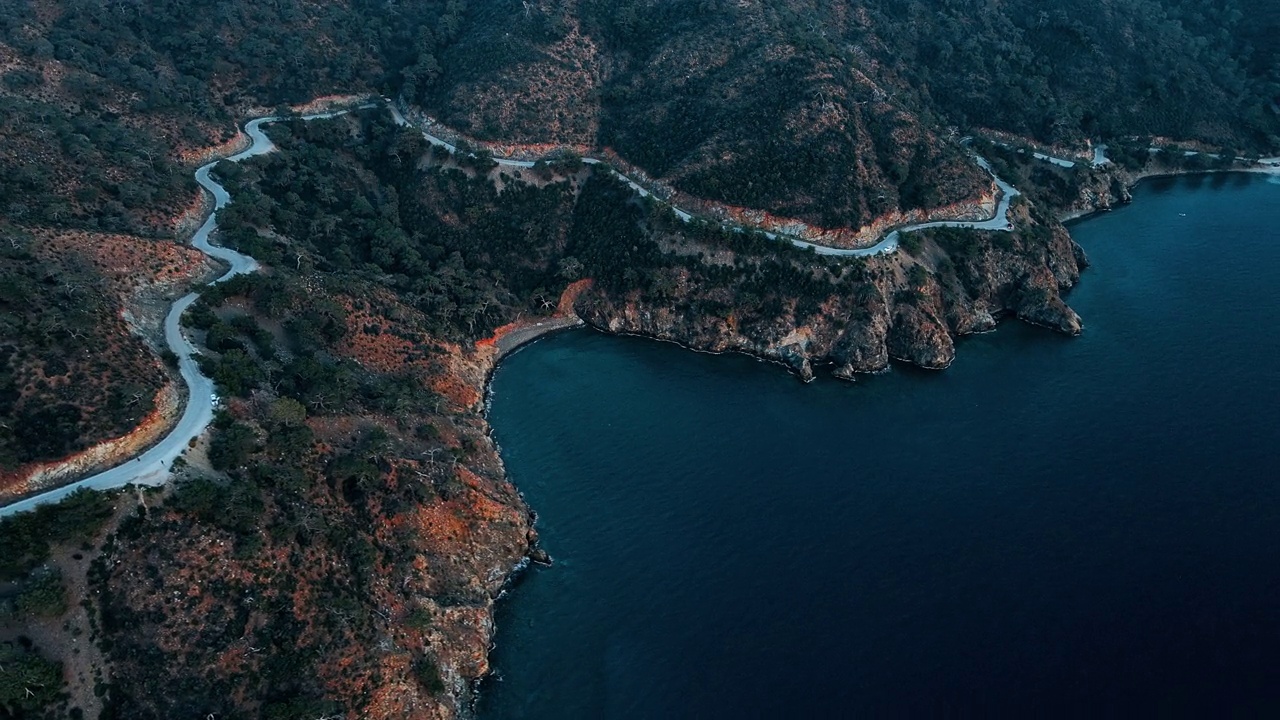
[(908, 307)]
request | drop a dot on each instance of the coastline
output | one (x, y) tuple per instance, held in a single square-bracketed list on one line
[(249, 141), (518, 571), (519, 335), (1072, 217), (518, 338), (492, 351), (511, 342), (525, 622)]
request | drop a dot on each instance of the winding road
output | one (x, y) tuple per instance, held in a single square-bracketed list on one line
[(153, 466), (888, 244)]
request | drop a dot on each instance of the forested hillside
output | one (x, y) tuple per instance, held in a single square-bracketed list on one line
[(839, 113), (337, 544), (835, 114), (99, 101), (103, 107), (51, 314)]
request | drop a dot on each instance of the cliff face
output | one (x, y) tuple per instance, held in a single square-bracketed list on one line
[(1102, 191), (909, 308)]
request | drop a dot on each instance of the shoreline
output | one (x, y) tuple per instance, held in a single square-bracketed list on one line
[(520, 572), (502, 347), (518, 338), (526, 666), (1073, 217), (250, 141), (524, 336)]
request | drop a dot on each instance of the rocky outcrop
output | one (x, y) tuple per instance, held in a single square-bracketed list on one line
[(1050, 311), (1103, 189), (919, 337), (908, 308), (863, 346)]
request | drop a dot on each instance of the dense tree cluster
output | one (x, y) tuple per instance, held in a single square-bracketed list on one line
[(55, 394), (29, 683), (839, 114), (38, 192), (1089, 68), (469, 256), (831, 114), (106, 93), (25, 539)]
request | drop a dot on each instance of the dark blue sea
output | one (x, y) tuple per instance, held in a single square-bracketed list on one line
[(1052, 525)]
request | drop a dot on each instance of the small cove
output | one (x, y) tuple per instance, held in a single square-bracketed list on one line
[(1085, 524)]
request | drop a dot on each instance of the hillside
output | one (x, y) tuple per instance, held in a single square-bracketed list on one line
[(355, 371), (838, 115), (104, 108), (336, 543), (835, 115), (77, 358)]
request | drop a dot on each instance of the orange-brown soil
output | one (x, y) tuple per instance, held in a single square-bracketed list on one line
[(126, 400), (979, 206), (130, 264)]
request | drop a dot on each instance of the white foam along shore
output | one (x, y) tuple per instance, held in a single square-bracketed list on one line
[(153, 466)]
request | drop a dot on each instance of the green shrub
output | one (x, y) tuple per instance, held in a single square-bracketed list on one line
[(43, 595)]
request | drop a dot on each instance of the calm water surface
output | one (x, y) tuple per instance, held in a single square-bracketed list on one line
[(1052, 524)]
